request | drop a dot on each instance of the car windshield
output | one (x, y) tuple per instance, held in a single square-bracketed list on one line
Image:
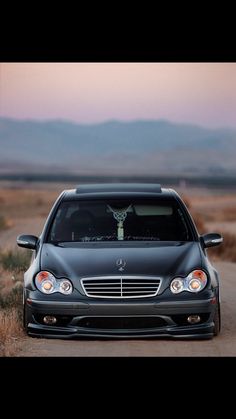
[(119, 220)]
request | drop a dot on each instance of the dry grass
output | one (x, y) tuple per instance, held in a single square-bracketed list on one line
[(15, 260), (199, 222), (5, 223), (197, 217), (11, 313), (6, 282), (219, 215), (227, 250), (23, 203), (216, 208), (10, 332), (227, 214), (12, 266)]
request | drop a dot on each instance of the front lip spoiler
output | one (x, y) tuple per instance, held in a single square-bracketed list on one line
[(202, 331)]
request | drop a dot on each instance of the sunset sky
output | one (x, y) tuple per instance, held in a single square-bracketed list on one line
[(199, 93)]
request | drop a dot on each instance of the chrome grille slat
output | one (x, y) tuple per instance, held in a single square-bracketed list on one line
[(137, 283), (102, 288), (136, 291), (121, 286), (140, 286), (117, 292), (104, 283)]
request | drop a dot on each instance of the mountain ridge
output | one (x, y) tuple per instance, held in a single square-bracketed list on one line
[(137, 147), (113, 121)]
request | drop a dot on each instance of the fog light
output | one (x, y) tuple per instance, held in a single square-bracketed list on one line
[(194, 318), (50, 319)]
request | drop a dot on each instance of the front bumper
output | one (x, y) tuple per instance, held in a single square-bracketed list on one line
[(82, 316)]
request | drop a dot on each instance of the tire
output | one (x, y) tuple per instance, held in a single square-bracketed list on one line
[(26, 316), (217, 320)]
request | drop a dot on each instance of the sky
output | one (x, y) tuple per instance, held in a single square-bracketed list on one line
[(198, 93)]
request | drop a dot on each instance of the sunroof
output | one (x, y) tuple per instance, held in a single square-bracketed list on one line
[(119, 187)]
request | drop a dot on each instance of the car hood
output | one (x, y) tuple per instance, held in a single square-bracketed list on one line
[(164, 259)]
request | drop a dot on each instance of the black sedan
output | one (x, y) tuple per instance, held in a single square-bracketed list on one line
[(121, 260)]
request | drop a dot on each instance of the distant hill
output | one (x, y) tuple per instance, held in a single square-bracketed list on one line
[(114, 147)]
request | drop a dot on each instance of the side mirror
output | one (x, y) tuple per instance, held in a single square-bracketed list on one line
[(27, 241), (211, 239)]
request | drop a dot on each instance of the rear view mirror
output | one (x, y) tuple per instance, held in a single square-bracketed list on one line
[(211, 239), (27, 241)]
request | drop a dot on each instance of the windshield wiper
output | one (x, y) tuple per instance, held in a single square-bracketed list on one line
[(114, 238), (138, 238), (98, 238), (105, 238)]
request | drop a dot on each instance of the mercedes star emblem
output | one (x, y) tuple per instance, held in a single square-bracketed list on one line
[(120, 263)]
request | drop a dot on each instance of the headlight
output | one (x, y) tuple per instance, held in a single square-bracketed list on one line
[(177, 285), (48, 284), (194, 282), (65, 286), (45, 282)]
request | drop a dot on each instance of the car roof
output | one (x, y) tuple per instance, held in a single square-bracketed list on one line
[(102, 190)]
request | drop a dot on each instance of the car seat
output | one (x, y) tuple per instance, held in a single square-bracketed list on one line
[(81, 224)]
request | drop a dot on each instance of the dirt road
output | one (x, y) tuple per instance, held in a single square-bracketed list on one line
[(223, 345)]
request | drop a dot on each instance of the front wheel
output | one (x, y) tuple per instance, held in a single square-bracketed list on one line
[(26, 315), (217, 320)]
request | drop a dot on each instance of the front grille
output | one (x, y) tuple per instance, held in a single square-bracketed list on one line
[(121, 322), (121, 287)]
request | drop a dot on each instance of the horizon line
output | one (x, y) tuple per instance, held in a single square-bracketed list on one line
[(122, 121)]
